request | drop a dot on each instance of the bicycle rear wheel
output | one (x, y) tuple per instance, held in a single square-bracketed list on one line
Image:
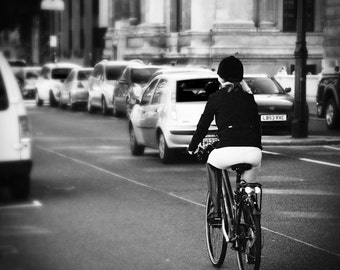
[(216, 243), (249, 242)]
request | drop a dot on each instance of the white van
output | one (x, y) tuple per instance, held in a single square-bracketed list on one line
[(15, 140)]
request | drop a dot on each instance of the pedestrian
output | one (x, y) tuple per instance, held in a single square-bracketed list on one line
[(236, 115)]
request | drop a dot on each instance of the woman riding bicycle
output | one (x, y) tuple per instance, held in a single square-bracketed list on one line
[(239, 130)]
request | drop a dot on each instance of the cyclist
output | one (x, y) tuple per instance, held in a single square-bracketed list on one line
[(239, 130)]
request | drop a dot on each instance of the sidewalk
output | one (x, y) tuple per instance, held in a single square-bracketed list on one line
[(310, 140)]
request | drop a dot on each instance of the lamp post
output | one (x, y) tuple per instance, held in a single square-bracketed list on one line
[(55, 6), (300, 121)]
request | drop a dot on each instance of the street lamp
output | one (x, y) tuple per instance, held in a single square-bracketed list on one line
[(300, 121), (55, 6)]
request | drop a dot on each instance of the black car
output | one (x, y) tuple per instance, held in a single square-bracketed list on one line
[(328, 100)]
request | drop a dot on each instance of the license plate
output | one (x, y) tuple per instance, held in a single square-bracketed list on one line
[(273, 117)]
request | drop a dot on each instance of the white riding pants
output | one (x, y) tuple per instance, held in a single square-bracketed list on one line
[(225, 157)]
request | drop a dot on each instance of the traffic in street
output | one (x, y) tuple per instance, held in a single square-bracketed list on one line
[(93, 205)]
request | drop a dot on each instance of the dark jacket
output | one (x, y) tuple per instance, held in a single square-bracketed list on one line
[(236, 117)]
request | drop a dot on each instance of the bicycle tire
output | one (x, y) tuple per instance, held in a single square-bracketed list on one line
[(216, 243), (249, 242)]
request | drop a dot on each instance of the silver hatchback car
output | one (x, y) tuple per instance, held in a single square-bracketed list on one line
[(168, 111)]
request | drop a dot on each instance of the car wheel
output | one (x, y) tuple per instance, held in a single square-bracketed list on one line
[(165, 154), (90, 108), (104, 107), (331, 115), (319, 111), (136, 149), (20, 187), (38, 101), (61, 104), (53, 101), (114, 109)]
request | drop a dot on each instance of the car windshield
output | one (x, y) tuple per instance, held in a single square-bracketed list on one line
[(83, 75), (3, 95), (192, 90), (60, 73), (263, 85), (114, 72), (142, 75)]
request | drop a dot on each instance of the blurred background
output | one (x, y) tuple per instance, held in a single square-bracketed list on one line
[(176, 32)]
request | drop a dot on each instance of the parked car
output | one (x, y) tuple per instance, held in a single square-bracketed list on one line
[(129, 87), (275, 105), (30, 78), (328, 99), (50, 82), (15, 140), (74, 91), (101, 84), (167, 114)]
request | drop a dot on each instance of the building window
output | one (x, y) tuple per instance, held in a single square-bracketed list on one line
[(290, 15)]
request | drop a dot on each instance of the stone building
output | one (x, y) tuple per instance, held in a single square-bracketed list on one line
[(198, 32)]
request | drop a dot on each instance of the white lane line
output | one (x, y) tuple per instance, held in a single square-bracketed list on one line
[(175, 196), (304, 159), (302, 242), (320, 162), (332, 147), (27, 205)]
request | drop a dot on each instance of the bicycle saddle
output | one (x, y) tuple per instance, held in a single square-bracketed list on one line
[(241, 167)]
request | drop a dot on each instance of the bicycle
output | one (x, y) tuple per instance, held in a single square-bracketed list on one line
[(240, 223)]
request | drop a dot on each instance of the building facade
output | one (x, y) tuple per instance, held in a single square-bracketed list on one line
[(200, 33), (197, 32)]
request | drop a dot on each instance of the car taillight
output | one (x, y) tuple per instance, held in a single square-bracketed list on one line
[(24, 128), (80, 85)]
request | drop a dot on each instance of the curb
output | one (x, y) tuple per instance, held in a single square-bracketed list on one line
[(310, 140)]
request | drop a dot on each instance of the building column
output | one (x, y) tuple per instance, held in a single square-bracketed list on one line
[(267, 15), (76, 50), (234, 15), (202, 15), (153, 17)]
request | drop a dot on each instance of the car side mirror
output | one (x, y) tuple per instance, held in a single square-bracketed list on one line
[(288, 90)]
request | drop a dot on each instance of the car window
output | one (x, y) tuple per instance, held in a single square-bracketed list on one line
[(83, 75), (156, 99), (32, 75), (192, 90), (263, 86), (60, 73), (114, 72), (3, 95), (142, 75), (148, 93)]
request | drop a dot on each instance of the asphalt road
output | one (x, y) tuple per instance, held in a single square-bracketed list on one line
[(94, 206)]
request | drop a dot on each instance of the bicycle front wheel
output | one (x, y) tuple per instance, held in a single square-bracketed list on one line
[(217, 246), (249, 242)]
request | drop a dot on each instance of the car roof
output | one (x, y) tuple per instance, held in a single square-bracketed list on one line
[(256, 75), (118, 62), (61, 65), (188, 75)]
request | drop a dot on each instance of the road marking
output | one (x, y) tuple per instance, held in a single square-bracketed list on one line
[(331, 147), (175, 196), (302, 242), (33, 204), (299, 192), (304, 159)]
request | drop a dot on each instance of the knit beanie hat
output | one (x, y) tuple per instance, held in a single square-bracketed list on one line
[(230, 69)]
